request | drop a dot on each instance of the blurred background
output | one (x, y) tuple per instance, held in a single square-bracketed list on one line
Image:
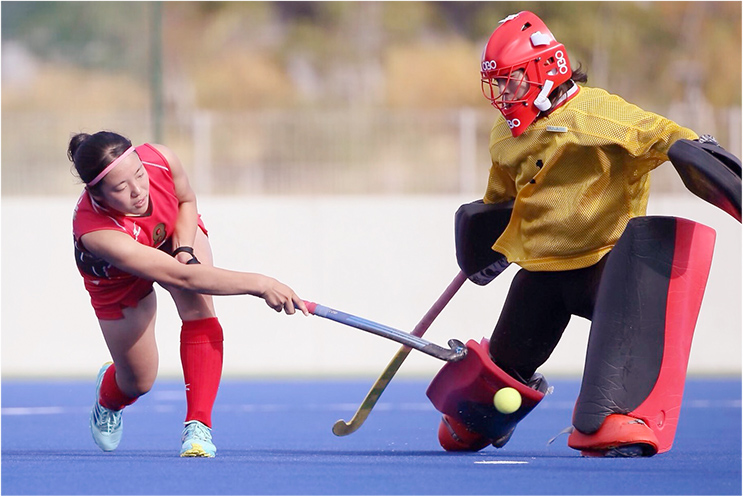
[(330, 144), (329, 97)]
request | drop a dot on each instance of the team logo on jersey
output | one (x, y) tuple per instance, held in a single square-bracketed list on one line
[(158, 234)]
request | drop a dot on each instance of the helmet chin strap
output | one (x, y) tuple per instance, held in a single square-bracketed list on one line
[(542, 101)]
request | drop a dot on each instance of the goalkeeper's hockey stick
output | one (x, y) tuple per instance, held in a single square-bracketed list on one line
[(343, 428)]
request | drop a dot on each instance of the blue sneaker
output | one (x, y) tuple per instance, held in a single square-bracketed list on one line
[(197, 441), (106, 425)]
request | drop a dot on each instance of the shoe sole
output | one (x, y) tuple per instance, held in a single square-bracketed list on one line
[(196, 451)]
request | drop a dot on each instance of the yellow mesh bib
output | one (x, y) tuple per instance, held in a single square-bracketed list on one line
[(577, 177)]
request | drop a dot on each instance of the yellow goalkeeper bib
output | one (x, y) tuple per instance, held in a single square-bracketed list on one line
[(576, 177)]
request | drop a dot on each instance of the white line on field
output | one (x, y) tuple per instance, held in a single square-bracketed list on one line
[(39, 410), (500, 462)]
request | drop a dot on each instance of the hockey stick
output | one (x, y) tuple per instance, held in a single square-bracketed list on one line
[(456, 350), (474, 224), (343, 428)]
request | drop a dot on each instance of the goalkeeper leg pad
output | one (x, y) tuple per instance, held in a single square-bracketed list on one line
[(463, 391), (643, 323)]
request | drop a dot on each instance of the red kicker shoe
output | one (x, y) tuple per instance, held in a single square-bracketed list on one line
[(454, 436)]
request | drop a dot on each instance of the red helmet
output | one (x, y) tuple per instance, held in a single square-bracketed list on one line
[(523, 45)]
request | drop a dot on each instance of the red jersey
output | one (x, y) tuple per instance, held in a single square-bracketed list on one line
[(111, 288)]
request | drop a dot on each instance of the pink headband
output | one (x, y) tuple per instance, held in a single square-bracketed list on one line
[(110, 166)]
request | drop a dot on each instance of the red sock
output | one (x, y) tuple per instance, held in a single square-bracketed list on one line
[(201, 358), (110, 395)]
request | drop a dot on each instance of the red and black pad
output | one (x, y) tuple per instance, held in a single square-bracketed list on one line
[(642, 327), (710, 172), (477, 226), (463, 391)]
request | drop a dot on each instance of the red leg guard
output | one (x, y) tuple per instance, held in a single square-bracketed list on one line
[(643, 325), (691, 263), (111, 396), (463, 391), (201, 358)]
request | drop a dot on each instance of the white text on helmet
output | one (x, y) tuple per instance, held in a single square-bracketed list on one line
[(562, 64), (512, 124), (488, 65)]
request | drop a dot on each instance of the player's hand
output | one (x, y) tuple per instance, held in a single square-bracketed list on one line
[(281, 297)]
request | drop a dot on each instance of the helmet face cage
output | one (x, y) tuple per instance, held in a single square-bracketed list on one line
[(511, 80)]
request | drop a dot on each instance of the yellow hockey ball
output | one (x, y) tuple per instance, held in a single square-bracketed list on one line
[(507, 400)]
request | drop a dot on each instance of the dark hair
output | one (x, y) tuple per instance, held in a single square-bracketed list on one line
[(91, 153)]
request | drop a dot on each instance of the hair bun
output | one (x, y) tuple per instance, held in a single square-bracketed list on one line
[(75, 143)]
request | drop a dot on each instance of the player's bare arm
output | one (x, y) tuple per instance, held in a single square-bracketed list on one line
[(149, 263)]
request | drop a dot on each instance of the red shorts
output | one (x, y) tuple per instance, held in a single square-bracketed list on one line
[(106, 309), (109, 298)]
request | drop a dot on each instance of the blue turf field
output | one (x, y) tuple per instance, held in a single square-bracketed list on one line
[(274, 437)]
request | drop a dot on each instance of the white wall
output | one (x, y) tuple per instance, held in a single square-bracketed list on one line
[(383, 258)]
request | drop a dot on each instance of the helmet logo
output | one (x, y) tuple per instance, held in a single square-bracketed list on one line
[(513, 123), (488, 65), (562, 65)]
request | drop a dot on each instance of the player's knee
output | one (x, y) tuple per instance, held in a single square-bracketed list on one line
[(139, 388), (144, 386), (135, 386)]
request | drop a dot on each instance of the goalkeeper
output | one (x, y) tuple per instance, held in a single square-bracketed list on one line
[(575, 162)]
